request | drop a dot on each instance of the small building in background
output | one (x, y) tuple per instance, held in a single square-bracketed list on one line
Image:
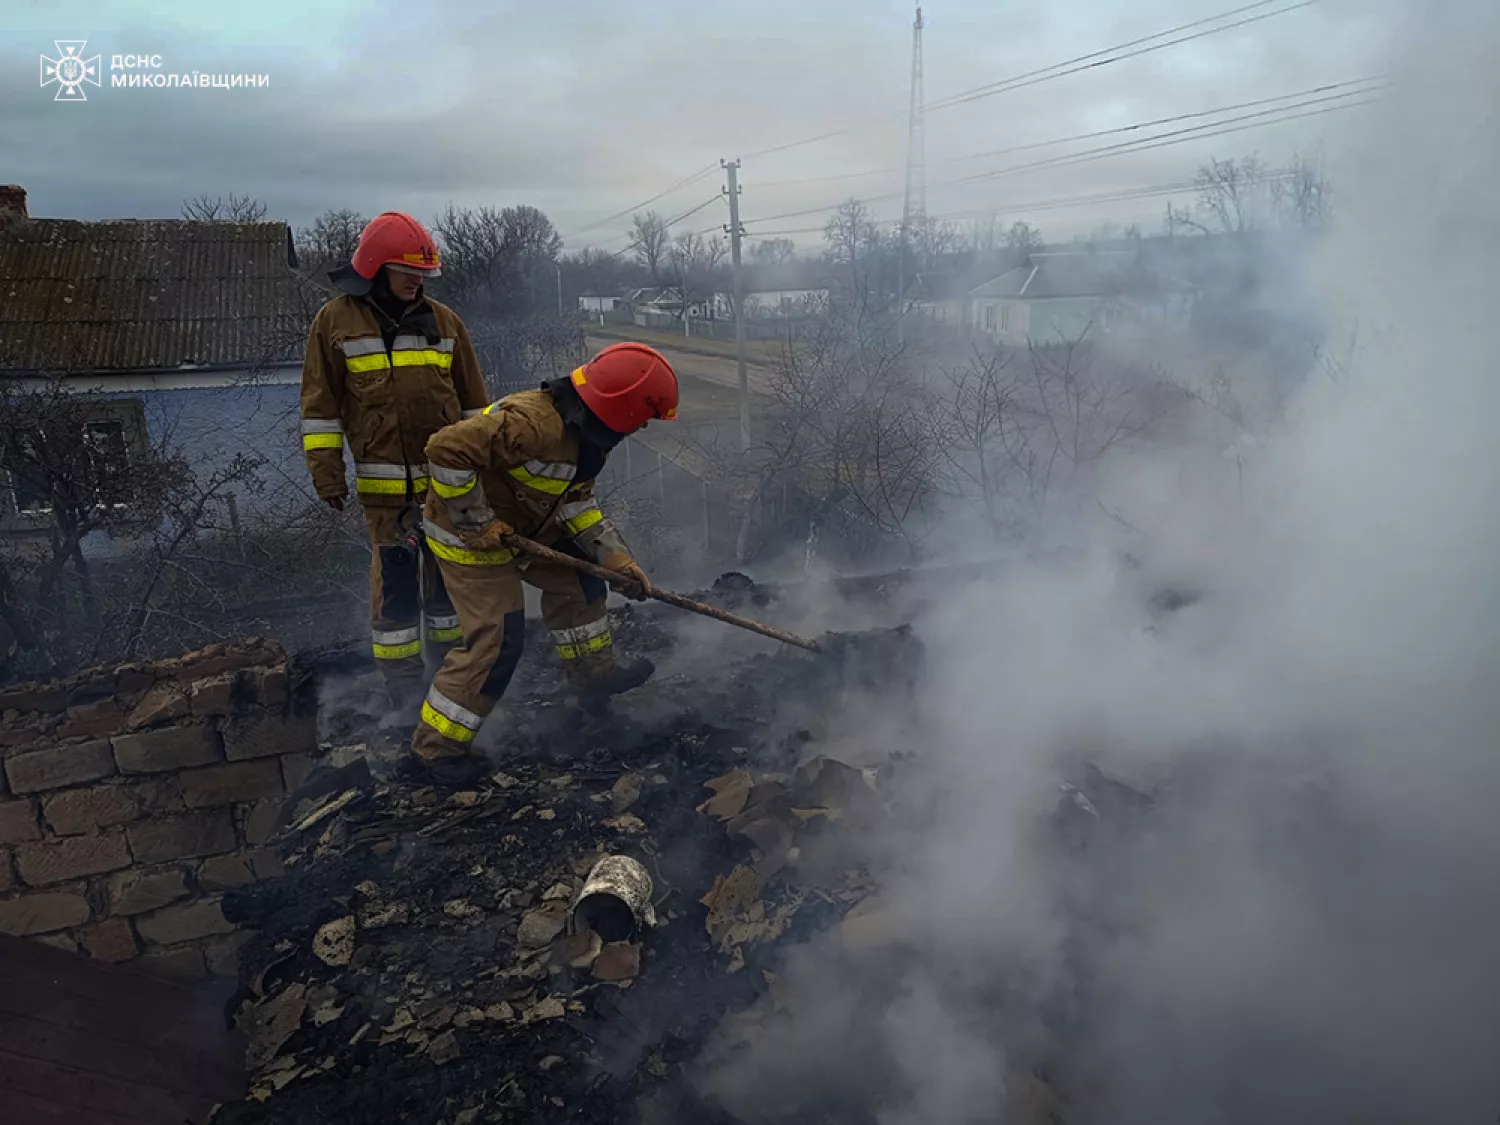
[(598, 303), (942, 298), (1057, 297), (180, 334)]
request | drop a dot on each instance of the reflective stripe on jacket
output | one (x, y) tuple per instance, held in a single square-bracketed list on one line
[(382, 403), (516, 461)]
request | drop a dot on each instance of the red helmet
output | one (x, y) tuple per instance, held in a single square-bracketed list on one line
[(628, 385), (395, 239)]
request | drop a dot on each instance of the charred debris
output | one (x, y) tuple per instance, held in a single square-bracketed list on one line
[(434, 957), (438, 957)]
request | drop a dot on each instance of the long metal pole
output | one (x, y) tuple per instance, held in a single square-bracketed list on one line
[(732, 170), (536, 550)]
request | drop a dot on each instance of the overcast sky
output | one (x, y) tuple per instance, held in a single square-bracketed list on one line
[(585, 108)]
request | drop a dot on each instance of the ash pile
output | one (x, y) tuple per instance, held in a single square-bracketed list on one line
[(566, 938)]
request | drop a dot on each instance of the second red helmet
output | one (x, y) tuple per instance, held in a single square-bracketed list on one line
[(628, 385)]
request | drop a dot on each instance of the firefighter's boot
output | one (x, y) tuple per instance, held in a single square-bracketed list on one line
[(604, 678)]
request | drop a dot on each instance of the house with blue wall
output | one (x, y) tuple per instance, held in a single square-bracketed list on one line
[(181, 335)]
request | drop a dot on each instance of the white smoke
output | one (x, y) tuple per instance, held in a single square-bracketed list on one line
[(1306, 928)]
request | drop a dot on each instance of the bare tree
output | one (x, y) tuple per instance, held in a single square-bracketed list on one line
[(984, 236), (694, 261), (1023, 238), (1244, 194), (846, 458), (650, 239), (933, 239), (849, 234), (772, 251), (1232, 194), (496, 262), (1302, 195), (76, 471), (234, 209), (330, 241), (1025, 431)]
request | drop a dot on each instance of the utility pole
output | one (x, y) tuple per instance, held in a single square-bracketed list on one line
[(559, 292), (732, 170)]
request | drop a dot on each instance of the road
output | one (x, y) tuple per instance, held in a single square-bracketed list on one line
[(695, 366)]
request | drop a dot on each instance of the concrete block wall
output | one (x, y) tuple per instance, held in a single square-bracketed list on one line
[(131, 798)]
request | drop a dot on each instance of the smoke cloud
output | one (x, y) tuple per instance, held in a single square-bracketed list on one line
[(1303, 926)]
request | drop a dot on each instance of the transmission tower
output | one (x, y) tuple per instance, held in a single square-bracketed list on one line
[(915, 207)]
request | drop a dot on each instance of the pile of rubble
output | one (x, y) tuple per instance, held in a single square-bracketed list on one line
[(443, 958)]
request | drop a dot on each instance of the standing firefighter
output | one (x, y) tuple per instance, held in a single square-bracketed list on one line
[(387, 368), (527, 464)]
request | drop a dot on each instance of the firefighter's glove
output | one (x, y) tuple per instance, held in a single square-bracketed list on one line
[(638, 585), (488, 538)]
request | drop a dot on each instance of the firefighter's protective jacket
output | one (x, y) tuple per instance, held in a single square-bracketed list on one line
[(383, 389), (517, 461)]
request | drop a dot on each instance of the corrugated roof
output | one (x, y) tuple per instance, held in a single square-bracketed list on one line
[(132, 295), (1083, 274), (938, 287)]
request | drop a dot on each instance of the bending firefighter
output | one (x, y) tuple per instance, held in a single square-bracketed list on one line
[(527, 464), (386, 368)]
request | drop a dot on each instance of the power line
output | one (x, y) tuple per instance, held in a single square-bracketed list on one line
[(1142, 144), (631, 245), (1054, 203), (680, 184), (1145, 144), (1047, 74), (690, 213), (1368, 83), (1077, 64)]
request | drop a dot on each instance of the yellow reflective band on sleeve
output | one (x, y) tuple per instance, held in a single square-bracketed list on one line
[(446, 726), (582, 523), (452, 633), (551, 477), (359, 363), (468, 557), (420, 357), (448, 491), (322, 441), (573, 651)]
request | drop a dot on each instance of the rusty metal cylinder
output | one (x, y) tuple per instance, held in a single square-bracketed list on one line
[(615, 900)]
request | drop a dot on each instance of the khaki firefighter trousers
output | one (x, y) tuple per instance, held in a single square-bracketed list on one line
[(405, 584), (491, 607)]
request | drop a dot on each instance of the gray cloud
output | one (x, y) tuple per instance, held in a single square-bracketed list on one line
[(587, 107)]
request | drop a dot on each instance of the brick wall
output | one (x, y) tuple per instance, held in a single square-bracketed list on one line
[(132, 797)]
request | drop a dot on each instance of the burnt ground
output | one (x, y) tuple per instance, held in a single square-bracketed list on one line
[(413, 965), (434, 1002)]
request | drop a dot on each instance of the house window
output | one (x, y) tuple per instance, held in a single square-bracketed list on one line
[(1004, 318), (29, 485), (106, 442), (989, 318)]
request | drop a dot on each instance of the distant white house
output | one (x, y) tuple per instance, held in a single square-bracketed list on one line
[(1058, 296), (598, 302), (774, 304)]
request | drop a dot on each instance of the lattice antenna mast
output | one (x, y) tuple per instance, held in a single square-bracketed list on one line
[(915, 207)]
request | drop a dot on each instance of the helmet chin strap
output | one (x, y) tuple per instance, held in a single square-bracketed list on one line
[(576, 413)]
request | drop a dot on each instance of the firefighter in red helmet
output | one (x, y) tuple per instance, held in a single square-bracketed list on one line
[(527, 464), (386, 368)]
